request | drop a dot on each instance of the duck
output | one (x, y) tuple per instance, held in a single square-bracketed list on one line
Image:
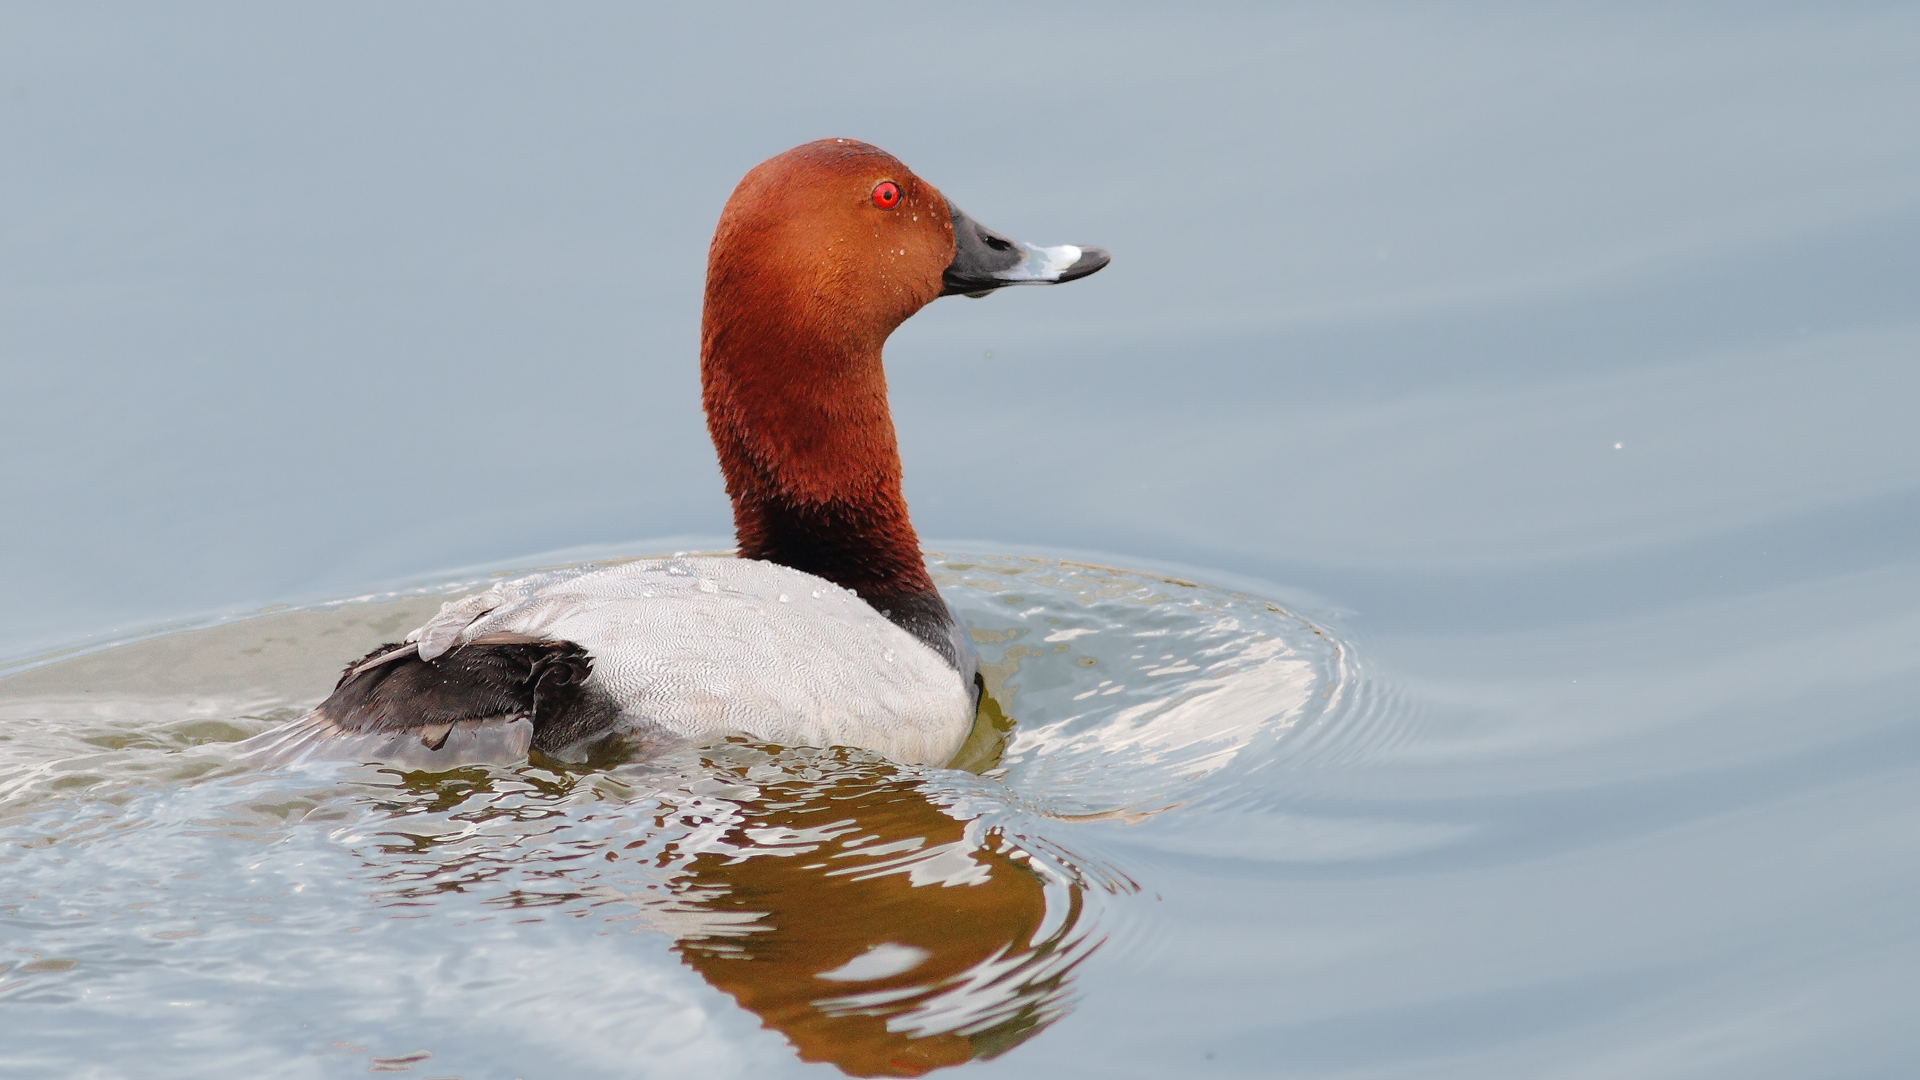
[(824, 628)]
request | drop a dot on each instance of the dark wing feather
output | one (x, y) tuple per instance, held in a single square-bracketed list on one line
[(391, 689), (487, 700)]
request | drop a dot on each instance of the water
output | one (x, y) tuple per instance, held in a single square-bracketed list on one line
[(884, 919), (1555, 365)]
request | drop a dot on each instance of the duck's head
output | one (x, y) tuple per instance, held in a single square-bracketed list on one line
[(849, 234), (820, 253)]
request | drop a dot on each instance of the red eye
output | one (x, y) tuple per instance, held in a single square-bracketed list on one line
[(886, 194)]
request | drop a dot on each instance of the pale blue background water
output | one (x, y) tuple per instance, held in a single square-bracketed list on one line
[(1562, 359)]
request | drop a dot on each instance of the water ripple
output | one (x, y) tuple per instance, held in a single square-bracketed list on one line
[(886, 919)]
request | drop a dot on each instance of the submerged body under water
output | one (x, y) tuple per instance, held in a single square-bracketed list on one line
[(163, 890)]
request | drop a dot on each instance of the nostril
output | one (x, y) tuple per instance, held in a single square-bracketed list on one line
[(995, 243)]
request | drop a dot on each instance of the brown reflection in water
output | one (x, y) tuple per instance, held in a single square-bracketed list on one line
[(827, 892), (872, 930)]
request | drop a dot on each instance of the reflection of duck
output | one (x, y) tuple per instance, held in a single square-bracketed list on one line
[(867, 925), (827, 630)]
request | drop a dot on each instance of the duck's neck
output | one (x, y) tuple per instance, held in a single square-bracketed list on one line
[(798, 414)]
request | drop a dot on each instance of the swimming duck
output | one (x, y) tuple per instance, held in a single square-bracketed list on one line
[(826, 629)]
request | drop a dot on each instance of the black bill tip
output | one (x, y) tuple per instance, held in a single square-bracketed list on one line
[(1091, 261)]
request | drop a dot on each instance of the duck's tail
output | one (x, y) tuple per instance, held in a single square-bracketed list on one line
[(485, 702)]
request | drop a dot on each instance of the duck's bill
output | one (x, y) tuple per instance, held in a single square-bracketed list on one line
[(985, 260)]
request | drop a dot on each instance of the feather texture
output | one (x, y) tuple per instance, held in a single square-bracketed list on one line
[(684, 649)]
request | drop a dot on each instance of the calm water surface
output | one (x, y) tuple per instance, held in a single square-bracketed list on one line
[(1549, 373)]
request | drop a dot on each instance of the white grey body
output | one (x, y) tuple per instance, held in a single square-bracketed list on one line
[(697, 649)]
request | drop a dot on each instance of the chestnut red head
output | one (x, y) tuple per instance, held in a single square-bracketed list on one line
[(836, 235), (845, 228)]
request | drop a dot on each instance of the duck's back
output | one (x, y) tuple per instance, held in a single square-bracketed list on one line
[(683, 649)]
